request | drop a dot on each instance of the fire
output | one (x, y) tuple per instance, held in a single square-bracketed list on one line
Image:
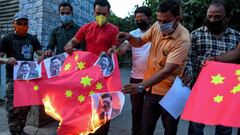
[(50, 110), (95, 123)]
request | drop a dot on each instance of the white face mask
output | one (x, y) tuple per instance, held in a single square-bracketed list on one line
[(166, 28)]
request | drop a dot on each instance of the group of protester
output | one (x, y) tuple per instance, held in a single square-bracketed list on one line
[(160, 52)]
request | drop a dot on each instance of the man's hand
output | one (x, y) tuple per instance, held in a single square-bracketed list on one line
[(11, 61), (113, 49), (122, 36), (69, 48), (130, 88)]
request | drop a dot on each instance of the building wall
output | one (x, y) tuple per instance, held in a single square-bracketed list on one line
[(44, 16)]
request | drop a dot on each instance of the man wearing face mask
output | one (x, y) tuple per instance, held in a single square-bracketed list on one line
[(20, 46), (64, 32), (139, 60), (170, 43), (208, 41), (99, 36)]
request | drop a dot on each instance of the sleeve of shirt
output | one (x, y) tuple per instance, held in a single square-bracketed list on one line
[(52, 41), (179, 53), (191, 55), (80, 35), (3, 45), (114, 39), (36, 44)]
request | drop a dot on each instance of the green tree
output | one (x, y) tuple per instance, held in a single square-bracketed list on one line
[(194, 12)]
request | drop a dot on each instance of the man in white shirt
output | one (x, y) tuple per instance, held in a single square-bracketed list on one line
[(139, 62)]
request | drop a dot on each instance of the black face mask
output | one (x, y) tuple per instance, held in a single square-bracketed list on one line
[(216, 27), (142, 25)]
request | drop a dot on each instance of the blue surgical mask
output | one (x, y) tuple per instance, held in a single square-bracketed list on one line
[(65, 19), (166, 28)]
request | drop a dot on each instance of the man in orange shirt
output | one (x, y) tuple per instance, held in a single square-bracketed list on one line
[(167, 59)]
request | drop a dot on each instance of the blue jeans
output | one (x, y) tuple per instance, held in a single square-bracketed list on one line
[(197, 129)]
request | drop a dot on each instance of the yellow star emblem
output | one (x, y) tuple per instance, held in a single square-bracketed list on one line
[(81, 65), (99, 86), (86, 81), (218, 79), (91, 93), (237, 72), (67, 67), (235, 89), (76, 57), (218, 99), (35, 88), (81, 98), (68, 93)]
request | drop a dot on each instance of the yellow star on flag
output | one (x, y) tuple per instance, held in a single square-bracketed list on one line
[(218, 79), (68, 93), (99, 86), (237, 72), (81, 98), (76, 57), (218, 99), (86, 81), (67, 67), (81, 65), (238, 78), (235, 89), (35, 88), (91, 93)]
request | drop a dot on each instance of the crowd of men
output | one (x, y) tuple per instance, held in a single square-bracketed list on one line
[(161, 51)]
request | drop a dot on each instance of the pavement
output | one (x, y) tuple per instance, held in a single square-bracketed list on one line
[(120, 125)]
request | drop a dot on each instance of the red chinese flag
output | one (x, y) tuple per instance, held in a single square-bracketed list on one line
[(114, 82), (214, 99), (69, 97), (78, 60), (27, 93)]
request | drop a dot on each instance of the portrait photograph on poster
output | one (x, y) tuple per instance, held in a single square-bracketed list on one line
[(53, 64), (27, 70)]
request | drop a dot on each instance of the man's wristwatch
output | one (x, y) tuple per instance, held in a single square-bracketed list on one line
[(140, 88)]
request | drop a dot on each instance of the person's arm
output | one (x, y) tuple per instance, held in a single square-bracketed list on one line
[(230, 56), (3, 50), (174, 59), (134, 41), (188, 72), (51, 44)]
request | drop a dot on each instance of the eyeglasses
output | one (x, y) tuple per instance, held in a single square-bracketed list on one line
[(65, 13)]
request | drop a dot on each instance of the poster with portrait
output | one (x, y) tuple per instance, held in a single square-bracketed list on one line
[(106, 62), (53, 64), (106, 106), (27, 70)]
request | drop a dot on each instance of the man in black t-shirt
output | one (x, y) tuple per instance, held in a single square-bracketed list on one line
[(21, 46)]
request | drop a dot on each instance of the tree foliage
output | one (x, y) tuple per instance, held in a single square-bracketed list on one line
[(194, 12)]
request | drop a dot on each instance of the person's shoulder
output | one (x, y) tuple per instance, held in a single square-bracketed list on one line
[(9, 36), (31, 37), (233, 31), (112, 26), (202, 29)]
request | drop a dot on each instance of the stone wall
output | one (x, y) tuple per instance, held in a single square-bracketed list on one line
[(44, 16)]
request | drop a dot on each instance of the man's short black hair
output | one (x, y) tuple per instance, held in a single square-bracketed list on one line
[(172, 6), (106, 96), (54, 58), (25, 63), (65, 4), (145, 10), (220, 3), (101, 3)]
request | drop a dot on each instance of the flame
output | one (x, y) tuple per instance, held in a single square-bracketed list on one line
[(50, 110), (96, 123)]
